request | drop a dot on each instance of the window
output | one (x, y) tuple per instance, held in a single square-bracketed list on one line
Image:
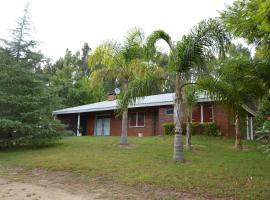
[(169, 111), (140, 119), (133, 119), (136, 119)]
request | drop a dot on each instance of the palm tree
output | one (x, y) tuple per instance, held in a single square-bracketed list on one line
[(187, 56), (125, 64), (190, 99), (232, 82)]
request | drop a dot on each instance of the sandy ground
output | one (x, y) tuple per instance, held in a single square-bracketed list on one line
[(40, 184), (10, 190)]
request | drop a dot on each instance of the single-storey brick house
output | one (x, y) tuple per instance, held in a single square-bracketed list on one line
[(146, 116)]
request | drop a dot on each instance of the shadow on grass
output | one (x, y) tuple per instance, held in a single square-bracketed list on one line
[(30, 147)]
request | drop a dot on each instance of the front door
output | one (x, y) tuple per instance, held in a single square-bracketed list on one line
[(102, 126)]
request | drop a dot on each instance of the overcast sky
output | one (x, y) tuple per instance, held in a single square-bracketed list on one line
[(61, 24)]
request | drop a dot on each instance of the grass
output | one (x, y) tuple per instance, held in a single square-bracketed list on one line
[(213, 167)]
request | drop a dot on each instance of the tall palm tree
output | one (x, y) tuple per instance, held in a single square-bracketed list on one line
[(186, 57), (123, 63), (190, 99)]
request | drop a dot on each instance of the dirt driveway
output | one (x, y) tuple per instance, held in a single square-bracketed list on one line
[(40, 184), (20, 184), (11, 190)]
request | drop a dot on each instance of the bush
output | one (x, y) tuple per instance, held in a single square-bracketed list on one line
[(211, 129), (168, 128), (264, 135), (195, 128), (15, 133)]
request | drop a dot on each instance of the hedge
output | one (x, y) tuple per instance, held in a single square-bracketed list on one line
[(210, 129)]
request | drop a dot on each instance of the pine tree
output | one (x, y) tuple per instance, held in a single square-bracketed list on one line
[(20, 45), (26, 102)]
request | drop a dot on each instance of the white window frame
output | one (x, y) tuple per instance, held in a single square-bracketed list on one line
[(137, 114)]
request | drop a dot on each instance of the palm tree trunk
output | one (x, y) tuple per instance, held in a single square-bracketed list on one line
[(188, 134), (178, 154), (124, 137), (238, 142), (124, 132)]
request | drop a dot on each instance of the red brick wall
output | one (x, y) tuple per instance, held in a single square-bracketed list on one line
[(163, 118), (149, 123), (116, 125), (207, 112), (155, 117), (196, 113), (222, 119), (149, 128)]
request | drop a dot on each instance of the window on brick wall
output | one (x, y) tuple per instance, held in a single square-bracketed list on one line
[(140, 119), (132, 119), (136, 119), (207, 112), (169, 111)]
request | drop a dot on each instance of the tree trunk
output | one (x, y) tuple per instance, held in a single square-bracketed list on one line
[(124, 133), (178, 154), (238, 142), (188, 135), (124, 138)]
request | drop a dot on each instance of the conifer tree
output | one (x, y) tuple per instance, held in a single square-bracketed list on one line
[(26, 102)]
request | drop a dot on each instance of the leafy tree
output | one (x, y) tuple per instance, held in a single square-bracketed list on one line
[(187, 56), (123, 64), (85, 51), (249, 19), (71, 84)]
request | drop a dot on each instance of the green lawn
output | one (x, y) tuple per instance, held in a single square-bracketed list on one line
[(214, 167)]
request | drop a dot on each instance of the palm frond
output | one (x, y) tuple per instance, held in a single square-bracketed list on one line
[(205, 40), (141, 86), (134, 36), (132, 47), (98, 75), (188, 53), (153, 38), (211, 34), (190, 97)]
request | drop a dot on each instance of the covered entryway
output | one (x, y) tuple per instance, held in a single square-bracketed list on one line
[(102, 126)]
